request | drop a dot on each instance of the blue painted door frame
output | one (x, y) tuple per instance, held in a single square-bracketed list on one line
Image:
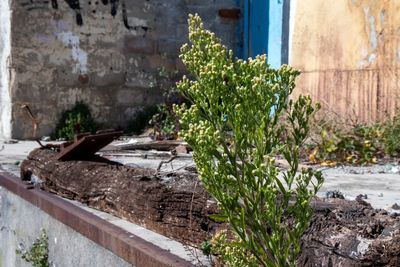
[(266, 30)]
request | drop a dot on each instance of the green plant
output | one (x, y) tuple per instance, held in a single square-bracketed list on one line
[(206, 247), (233, 129), (228, 253), (391, 135), (359, 146), (165, 122), (141, 120), (38, 254), (76, 119)]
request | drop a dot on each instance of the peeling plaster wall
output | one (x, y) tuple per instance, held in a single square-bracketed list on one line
[(104, 53), (349, 53), (5, 105)]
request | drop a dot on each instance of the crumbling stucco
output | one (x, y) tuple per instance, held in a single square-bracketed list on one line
[(348, 51)]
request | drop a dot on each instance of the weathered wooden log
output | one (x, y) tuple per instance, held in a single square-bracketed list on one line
[(341, 233), (172, 204)]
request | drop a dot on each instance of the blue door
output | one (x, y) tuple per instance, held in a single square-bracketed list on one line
[(266, 30)]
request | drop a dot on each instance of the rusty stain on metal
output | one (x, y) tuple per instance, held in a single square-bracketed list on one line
[(132, 249), (85, 145)]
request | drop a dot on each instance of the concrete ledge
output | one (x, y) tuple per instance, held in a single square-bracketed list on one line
[(130, 248)]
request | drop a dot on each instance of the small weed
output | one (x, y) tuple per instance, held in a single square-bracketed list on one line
[(141, 120), (358, 147), (38, 254), (391, 136), (228, 252), (206, 248), (336, 142), (76, 119), (165, 122)]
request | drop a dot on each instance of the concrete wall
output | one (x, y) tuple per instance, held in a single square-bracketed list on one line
[(77, 234), (349, 53), (20, 224), (101, 53), (5, 105)]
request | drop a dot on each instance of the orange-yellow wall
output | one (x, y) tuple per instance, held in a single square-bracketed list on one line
[(349, 53)]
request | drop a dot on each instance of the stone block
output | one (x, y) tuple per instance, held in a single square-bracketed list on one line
[(64, 78), (170, 47), (182, 31), (140, 78), (133, 96), (107, 79), (153, 62), (139, 44), (153, 96), (180, 66), (229, 13), (228, 16), (21, 222)]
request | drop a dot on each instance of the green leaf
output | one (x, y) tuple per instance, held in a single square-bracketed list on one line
[(218, 217), (280, 185)]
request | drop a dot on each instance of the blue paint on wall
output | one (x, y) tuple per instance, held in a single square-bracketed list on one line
[(240, 30), (266, 29), (258, 16), (374, 42), (246, 26), (274, 54)]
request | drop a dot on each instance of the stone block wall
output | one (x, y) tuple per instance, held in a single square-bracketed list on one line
[(104, 53)]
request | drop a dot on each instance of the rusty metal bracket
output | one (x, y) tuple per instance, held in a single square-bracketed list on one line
[(85, 145)]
